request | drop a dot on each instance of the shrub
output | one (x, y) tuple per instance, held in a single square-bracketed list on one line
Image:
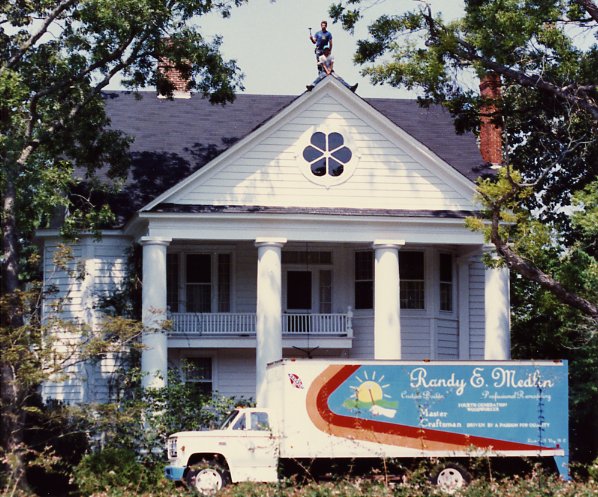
[(116, 468)]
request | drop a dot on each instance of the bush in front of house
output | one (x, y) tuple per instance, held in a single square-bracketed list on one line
[(117, 469)]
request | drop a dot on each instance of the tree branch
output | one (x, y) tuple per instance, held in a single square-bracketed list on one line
[(576, 94), (59, 9), (590, 7), (531, 272)]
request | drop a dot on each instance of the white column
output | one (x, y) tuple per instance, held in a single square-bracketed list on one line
[(154, 356), (497, 344), (268, 310), (387, 304)]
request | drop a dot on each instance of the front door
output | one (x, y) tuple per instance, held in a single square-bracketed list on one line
[(299, 291)]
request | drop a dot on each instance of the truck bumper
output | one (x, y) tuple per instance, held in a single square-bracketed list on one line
[(174, 473)]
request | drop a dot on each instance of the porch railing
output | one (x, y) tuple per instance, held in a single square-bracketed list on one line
[(244, 324)]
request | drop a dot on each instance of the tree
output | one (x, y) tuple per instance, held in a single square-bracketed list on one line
[(57, 57), (548, 110)]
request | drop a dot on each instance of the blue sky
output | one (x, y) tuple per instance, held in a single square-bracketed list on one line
[(270, 42)]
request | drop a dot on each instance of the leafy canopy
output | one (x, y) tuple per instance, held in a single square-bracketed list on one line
[(546, 56)]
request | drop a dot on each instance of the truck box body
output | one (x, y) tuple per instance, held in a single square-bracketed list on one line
[(419, 409), (322, 409)]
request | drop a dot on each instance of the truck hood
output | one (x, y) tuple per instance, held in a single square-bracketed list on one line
[(205, 434)]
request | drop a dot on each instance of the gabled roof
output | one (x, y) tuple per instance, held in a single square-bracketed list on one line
[(175, 138)]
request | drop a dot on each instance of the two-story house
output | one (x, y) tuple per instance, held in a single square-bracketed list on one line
[(323, 225)]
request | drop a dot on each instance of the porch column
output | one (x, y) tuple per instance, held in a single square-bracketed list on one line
[(387, 304), (268, 310), (497, 344), (154, 356)]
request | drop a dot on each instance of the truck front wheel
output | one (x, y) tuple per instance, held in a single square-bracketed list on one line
[(207, 477), (450, 477)]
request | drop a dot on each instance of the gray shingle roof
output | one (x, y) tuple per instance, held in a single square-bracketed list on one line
[(174, 138)]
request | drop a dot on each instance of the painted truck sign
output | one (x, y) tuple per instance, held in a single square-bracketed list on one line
[(504, 408)]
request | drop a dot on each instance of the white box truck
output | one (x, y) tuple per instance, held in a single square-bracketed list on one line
[(341, 411)]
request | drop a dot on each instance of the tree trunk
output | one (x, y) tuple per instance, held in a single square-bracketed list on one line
[(13, 418)]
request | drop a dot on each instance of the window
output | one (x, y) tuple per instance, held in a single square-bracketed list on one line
[(303, 257), (411, 269), (199, 283), (327, 154), (224, 278), (206, 284), (259, 421), (446, 282), (240, 424), (172, 282), (325, 291), (198, 373), (364, 280)]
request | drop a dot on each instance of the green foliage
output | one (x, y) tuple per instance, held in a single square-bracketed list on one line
[(60, 161), (114, 469), (142, 419)]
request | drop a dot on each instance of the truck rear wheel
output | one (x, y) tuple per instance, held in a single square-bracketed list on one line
[(450, 477), (207, 477)]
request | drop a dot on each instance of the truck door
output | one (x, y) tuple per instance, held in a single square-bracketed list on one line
[(261, 441), (257, 456)]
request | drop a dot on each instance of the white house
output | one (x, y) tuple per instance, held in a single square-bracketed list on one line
[(322, 225)]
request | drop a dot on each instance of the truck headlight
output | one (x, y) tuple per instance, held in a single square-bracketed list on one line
[(172, 447)]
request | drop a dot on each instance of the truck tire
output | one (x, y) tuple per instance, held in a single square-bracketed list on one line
[(450, 477), (207, 477)]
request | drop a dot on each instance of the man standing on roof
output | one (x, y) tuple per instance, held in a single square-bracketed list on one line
[(321, 39)]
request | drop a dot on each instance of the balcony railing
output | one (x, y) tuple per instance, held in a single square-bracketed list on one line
[(244, 324)]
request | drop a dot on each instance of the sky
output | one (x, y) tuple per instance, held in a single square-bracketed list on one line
[(270, 42)]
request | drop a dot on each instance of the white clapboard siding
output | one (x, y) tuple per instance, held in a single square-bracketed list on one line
[(97, 270), (447, 339), (269, 172), (363, 335), (236, 374), (477, 323), (245, 278), (415, 338)]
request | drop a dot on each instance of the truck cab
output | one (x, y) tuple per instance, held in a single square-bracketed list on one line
[(244, 448)]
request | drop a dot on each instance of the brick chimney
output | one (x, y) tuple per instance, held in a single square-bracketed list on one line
[(490, 129), (171, 77)]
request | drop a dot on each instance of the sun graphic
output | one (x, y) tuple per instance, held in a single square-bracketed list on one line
[(370, 393)]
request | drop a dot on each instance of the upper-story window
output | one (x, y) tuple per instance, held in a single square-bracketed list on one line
[(446, 282), (330, 156), (412, 282), (364, 280), (203, 286)]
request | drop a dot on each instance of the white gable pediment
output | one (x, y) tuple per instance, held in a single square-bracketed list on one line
[(329, 148)]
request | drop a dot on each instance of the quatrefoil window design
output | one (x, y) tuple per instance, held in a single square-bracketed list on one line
[(327, 154)]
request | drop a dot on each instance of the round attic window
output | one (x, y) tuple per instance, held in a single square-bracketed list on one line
[(328, 158)]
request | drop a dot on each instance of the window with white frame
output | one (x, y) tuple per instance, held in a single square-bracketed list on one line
[(206, 282), (172, 282), (325, 291), (446, 282), (411, 270), (197, 372)]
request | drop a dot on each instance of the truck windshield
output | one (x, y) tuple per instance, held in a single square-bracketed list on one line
[(229, 419)]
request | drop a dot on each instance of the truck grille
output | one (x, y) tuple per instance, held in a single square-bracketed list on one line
[(172, 443)]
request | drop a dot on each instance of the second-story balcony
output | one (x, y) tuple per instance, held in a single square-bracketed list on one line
[(238, 329)]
